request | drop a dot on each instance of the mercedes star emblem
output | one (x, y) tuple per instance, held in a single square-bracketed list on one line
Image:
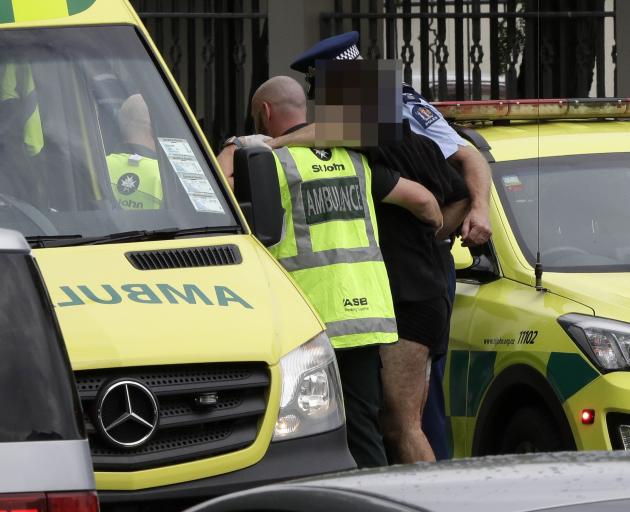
[(127, 413)]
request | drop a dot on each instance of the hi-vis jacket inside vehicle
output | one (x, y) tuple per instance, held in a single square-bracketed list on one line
[(200, 366), (540, 360)]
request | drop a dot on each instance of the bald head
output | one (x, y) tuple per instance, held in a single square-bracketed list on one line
[(135, 122), (277, 105)]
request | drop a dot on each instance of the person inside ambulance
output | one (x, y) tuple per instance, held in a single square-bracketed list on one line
[(133, 166), (21, 137)]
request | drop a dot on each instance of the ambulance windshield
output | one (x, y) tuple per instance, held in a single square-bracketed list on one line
[(92, 142), (583, 210)]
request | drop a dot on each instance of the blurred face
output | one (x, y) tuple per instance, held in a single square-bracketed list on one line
[(358, 101)]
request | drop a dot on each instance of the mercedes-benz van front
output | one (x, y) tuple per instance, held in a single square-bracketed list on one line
[(200, 366)]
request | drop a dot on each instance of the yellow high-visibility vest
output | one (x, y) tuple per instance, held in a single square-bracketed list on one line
[(330, 243), (136, 181), (16, 82)]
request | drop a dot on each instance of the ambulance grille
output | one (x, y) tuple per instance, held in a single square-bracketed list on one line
[(186, 431), (189, 257)]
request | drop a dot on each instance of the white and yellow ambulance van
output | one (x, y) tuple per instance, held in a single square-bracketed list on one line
[(201, 368)]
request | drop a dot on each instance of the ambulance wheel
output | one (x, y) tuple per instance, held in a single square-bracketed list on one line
[(531, 429)]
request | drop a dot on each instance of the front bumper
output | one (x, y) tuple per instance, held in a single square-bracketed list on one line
[(608, 396), (307, 456)]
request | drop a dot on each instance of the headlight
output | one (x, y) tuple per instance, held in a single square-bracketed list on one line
[(311, 399), (606, 342)]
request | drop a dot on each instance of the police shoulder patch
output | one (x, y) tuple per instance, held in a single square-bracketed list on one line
[(424, 114)]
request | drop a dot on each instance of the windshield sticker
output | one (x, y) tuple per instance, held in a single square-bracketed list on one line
[(178, 148), (512, 184), (191, 175)]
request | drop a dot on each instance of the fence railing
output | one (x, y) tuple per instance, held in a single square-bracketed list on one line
[(217, 52), (480, 49)]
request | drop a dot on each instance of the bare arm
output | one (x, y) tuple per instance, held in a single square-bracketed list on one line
[(473, 167), (226, 162), (453, 214), (418, 200)]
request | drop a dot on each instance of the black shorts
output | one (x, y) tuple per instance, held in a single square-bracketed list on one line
[(424, 322)]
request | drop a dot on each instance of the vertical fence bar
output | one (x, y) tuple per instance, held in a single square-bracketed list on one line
[(191, 59), (208, 55), (338, 21), (441, 52), (373, 49), (600, 58), (425, 52), (390, 31), (460, 92), (511, 53), (529, 69), (476, 51), (496, 63), (238, 60), (356, 22), (407, 54)]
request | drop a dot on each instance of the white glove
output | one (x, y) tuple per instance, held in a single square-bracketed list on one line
[(255, 141)]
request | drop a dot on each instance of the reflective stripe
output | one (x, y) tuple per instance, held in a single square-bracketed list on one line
[(300, 227), (306, 257), (360, 326), (331, 257), (357, 161), (46, 466)]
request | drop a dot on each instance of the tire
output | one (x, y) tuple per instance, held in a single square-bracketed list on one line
[(531, 429)]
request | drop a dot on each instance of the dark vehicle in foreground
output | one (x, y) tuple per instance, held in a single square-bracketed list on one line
[(554, 482), (45, 463)]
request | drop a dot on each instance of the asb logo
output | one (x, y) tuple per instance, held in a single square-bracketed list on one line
[(128, 183), (356, 301), (322, 154)]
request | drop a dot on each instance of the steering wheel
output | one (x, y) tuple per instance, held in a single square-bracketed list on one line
[(31, 213), (561, 251)]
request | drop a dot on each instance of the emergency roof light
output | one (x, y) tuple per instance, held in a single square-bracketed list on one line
[(506, 110)]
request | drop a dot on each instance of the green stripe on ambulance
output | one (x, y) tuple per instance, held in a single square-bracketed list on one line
[(12, 11)]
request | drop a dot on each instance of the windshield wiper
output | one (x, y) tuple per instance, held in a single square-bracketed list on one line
[(41, 241), (141, 235), (163, 234), (144, 235)]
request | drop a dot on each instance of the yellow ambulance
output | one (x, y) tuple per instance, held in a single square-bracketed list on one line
[(539, 354), (200, 366)]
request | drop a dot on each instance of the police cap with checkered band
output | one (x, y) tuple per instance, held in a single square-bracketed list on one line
[(340, 47)]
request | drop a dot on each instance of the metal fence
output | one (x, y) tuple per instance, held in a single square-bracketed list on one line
[(480, 49), (217, 52)]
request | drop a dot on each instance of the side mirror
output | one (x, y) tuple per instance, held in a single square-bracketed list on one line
[(257, 190), (461, 255), (13, 242)]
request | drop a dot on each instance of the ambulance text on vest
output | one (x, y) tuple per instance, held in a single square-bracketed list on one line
[(332, 199)]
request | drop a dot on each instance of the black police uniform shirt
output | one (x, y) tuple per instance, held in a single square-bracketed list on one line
[(415, 261)]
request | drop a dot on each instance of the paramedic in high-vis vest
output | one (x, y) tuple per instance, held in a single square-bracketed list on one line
[(133, 167), (330, 247)]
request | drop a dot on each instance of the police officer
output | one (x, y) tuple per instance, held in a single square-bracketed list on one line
[(330, 247), (425, 120), (133, 167)]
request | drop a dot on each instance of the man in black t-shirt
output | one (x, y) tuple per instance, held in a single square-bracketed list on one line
[(416, 265), (417, 271)]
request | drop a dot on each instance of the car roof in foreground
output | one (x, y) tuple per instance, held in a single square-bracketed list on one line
[(520, 139), (559, 481)]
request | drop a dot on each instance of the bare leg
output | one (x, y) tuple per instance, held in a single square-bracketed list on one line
[(405, 388)]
